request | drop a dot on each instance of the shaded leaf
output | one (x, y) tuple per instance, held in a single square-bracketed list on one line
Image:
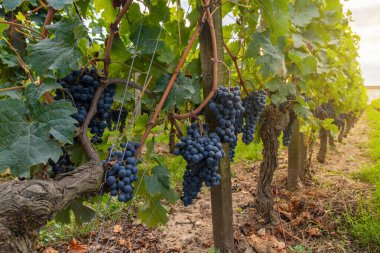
[(183, 90), (152, 214), (77, 154), (159, 182), (82, 212), (63, 216), (59, 4), (10, 5)]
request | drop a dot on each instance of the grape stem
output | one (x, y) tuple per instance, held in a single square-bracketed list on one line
[(234, 60), (113, 29), (82, 131), (48, 20), (21, 26), (172, 80), (177, 127)]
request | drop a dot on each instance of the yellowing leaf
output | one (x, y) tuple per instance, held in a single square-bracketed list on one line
[(20, 16)]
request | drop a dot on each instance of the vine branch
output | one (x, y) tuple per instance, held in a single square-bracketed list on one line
[(113, 30), (48, 19), (215, 72), (21, 26), (172, 80), (234, 60)]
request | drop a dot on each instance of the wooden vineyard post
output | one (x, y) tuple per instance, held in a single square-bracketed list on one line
[(296, 157), (221, 196)]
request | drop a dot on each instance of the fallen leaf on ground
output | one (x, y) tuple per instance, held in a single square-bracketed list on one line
[(257, 244), (117, 228), (50, 250), (125, 243), (75, 247), (315, 232)]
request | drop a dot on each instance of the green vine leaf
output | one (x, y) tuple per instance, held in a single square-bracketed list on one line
[(105, 7), (183, 90), (57, 116), (23, 143), (61, 53), (159, 182), (59, 4), (303, 12), (153, 213), (3, 27), (268, 57), (305, 62)]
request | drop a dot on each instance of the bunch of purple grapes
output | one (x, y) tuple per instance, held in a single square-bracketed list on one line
[(202, 152), (122, 171)]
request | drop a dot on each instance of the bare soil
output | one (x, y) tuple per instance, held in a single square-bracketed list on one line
[(307, 217)]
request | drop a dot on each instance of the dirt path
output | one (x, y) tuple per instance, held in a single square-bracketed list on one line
[(306, 216)]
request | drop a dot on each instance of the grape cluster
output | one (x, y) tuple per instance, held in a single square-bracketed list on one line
[(202, 152), (329, 109), (122, 171), (79, 87), (63, 165), (226, 105), (288, 131), (113, 122), (239, 122), (254, 104)]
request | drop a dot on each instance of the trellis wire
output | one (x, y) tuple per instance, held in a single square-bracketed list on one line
[(135, 112), (118, 120), (154, 209)]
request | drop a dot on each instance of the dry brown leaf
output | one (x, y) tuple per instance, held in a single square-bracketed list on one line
[(297, 221), (258, 244), (75, 247), (314, 232), (287, 215), (275, 243), (125, 243), (50, 250), (117, 228)]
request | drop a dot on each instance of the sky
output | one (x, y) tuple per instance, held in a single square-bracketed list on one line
[(366, 23)]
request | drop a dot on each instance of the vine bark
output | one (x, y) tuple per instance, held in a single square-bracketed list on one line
[(273, 121), (28, 205)]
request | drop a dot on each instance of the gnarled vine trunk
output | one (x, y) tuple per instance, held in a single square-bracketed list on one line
[(26, 206), (331, 140), (273, 121), (341, 131), (323, 135)]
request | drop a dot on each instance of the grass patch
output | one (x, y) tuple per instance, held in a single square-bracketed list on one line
[(363, 223), (369, 173), (251, 152)]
